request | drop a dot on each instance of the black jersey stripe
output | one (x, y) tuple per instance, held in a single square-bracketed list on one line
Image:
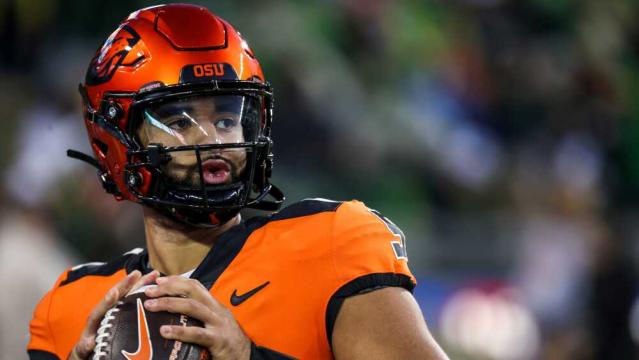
[(225, 249), (41, 355), (262, 353), (306, 207), (130, 261)]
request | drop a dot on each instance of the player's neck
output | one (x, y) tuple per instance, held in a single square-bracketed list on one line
[(176, 248)]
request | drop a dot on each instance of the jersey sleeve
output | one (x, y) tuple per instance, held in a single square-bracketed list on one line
[(367, 245), (368, 253), (41, 343)]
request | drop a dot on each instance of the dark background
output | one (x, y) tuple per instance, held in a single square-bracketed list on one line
[(501, 136)]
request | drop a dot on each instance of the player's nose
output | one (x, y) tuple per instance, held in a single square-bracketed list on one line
[(207, 133)]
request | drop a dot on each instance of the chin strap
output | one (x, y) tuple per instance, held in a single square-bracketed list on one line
[(261, 204), (198, 219), (218, 218)]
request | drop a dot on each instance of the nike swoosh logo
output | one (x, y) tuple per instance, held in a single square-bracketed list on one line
[(145, 348), (238, 299)]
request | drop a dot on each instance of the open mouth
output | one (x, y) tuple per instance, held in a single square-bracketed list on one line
[(216, 171)]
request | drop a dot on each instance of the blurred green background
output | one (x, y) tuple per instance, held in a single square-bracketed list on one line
[(501, 136)]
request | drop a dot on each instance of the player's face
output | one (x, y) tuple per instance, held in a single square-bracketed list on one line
[(199, 121)]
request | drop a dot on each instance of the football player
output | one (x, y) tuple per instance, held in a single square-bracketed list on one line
[(178, 114)]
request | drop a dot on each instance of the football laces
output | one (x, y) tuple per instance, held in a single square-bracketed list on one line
[(101, 348)]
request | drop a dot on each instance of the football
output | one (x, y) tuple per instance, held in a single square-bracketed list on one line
[(129, 332)]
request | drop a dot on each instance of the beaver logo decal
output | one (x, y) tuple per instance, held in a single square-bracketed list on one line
[(115, 53)]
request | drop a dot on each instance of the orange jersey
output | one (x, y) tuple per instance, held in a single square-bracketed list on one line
[(283, 277)]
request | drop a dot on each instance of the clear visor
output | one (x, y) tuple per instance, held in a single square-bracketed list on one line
[(211, 119), (229, 122)]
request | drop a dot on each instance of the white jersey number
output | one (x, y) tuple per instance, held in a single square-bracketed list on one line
[(399, 244)]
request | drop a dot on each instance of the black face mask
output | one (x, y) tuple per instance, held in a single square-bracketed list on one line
[(200, 200), (229, 129)]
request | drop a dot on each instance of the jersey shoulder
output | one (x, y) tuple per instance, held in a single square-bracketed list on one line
[(364, 238), (345, 230), (344, 246), (305, 210), (301, 229)]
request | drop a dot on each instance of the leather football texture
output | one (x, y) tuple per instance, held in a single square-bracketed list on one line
[(129, 332)]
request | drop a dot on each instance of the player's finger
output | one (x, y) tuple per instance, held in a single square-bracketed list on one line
[(189, 334), (87, 339), (180, 286), (110, 299), (189, 307), (147, 279), (82, 349)]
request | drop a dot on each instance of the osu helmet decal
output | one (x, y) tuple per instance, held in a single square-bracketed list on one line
[(179, 116)]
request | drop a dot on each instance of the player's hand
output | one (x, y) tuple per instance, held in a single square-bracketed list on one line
[(221, 333), (83, 348)]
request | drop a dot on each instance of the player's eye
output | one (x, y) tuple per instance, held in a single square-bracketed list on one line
[(226, 123), (179, 123)]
